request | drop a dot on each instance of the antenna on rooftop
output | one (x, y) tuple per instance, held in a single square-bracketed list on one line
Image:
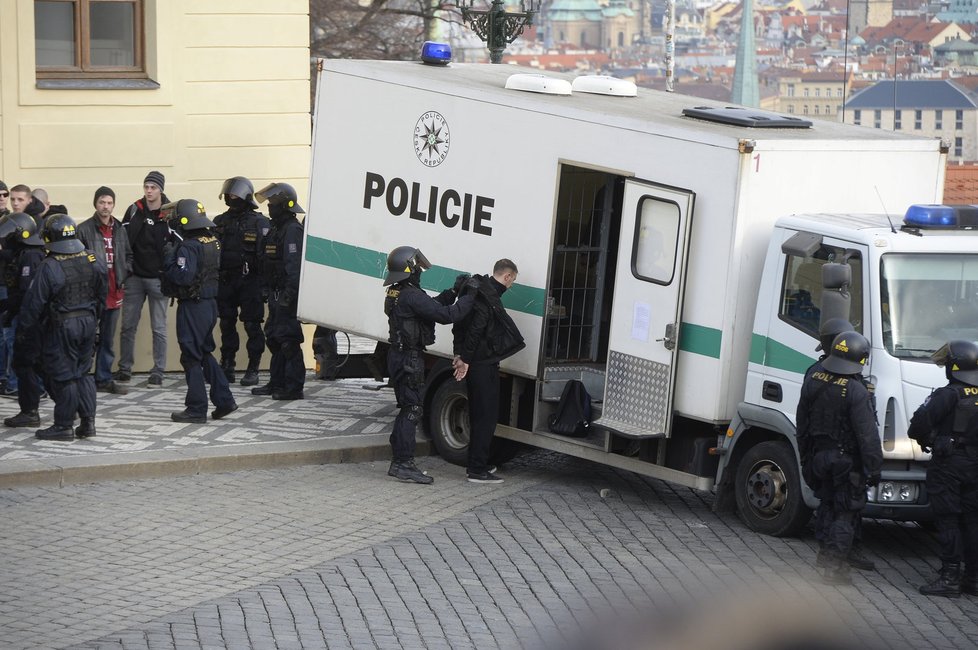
[(885, 211)]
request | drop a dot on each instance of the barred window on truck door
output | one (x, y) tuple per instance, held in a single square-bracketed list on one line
[(801, 288)]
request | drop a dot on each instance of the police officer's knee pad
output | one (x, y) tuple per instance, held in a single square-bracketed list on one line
[(415, 413)]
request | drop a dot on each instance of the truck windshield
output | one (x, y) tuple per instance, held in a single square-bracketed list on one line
[(928, 300)]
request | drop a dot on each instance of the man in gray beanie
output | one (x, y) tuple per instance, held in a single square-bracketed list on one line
[(104, 235), (147, 234)]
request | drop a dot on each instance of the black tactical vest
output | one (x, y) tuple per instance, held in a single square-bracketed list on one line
[(238, 233), (208, 264), (78, 292), (829, 411), (965, 427), (410, 333)]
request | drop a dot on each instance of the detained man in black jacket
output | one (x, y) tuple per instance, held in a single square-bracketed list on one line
[(477, 361)]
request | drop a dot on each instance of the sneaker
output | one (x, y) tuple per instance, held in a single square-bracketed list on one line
[(408, 472), (484, 477), (111, 387), (122, 375), (6, 391), (155, 381)]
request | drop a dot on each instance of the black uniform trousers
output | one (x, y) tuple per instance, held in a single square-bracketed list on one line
[(67, 354), (283, 334), (952, 486), (406, 372), (28, 368), (842, 495), (239, 297), (195, 335), (482, 386)]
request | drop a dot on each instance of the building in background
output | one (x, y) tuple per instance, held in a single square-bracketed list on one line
[(98, 93)]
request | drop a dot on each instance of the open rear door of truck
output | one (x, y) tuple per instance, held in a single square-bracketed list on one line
[(648, 296)]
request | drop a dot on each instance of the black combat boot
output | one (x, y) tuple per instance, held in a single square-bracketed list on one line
[(267, 389), (23, 419), (947, 584), (55, 432), (86, 429), (408, 472), (251, 375)]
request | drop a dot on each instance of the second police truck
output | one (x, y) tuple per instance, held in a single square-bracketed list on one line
[(671, 256)]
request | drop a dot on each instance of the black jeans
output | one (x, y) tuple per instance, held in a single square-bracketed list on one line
[(482, 385)]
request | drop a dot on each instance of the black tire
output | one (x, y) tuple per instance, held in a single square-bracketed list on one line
[(448, 422), (768, 490), (448, 426)]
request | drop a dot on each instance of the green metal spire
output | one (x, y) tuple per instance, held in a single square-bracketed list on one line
[(745, 88)]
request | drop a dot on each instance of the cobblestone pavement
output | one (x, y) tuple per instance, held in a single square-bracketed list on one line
[(563, 554), (140, 421)]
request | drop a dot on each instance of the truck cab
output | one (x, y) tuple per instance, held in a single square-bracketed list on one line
[(913, 287)]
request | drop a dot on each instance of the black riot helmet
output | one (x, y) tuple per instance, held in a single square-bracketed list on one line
[(403, 262), (21, 227), (280, 196), (240, 187), (829, 330), (59, 235), (962, 362), (848, 354), (185, 215)]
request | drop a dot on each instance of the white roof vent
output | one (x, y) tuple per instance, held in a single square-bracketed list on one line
[(538, 83), (599, 84)]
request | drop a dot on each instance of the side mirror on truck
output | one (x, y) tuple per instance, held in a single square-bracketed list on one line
[(835, 295)]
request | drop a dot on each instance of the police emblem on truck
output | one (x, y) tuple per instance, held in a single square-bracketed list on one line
[(431, 139)]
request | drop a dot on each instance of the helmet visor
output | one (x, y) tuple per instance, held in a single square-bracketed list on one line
[(421, 261)]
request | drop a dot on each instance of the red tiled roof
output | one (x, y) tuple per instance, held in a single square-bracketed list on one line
[(961, 184)]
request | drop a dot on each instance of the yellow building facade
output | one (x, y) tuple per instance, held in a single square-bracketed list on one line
[(98, 93)]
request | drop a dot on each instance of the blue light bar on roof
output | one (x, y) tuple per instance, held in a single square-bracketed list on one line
[(436, 53), (941, 216)]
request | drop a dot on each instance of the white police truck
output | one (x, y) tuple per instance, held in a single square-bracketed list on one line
[(671, 254)]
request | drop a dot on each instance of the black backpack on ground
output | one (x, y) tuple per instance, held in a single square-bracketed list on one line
[(573, 415)]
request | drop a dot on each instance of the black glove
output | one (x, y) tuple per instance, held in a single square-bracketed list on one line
[(460, 281), (873, 479)]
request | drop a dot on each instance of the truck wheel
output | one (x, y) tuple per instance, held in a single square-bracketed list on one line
[(449, 422), (768, 490)]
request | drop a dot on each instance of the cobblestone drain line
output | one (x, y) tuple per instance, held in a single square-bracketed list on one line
[(554, 564), (140, 421), (81, 561)]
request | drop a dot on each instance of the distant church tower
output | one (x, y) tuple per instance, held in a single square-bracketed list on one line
[(868, 13), (745, 87)]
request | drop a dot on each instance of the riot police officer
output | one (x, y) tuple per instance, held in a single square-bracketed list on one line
[(282, 259), (241, 231), (857, 558), (190, 274), (24, 250), (839, 445), (64, 303), (946, 424), (411, 315)]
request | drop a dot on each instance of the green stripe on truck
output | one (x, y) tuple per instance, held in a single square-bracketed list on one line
[(373, 264), (768, 352)]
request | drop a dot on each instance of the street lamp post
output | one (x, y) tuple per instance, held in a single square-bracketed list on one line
[(496, 26)]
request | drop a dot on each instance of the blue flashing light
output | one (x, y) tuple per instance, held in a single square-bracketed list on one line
[(436, 53), (941, 216)]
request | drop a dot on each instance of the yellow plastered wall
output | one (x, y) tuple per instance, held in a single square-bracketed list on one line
[(233, 99)]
